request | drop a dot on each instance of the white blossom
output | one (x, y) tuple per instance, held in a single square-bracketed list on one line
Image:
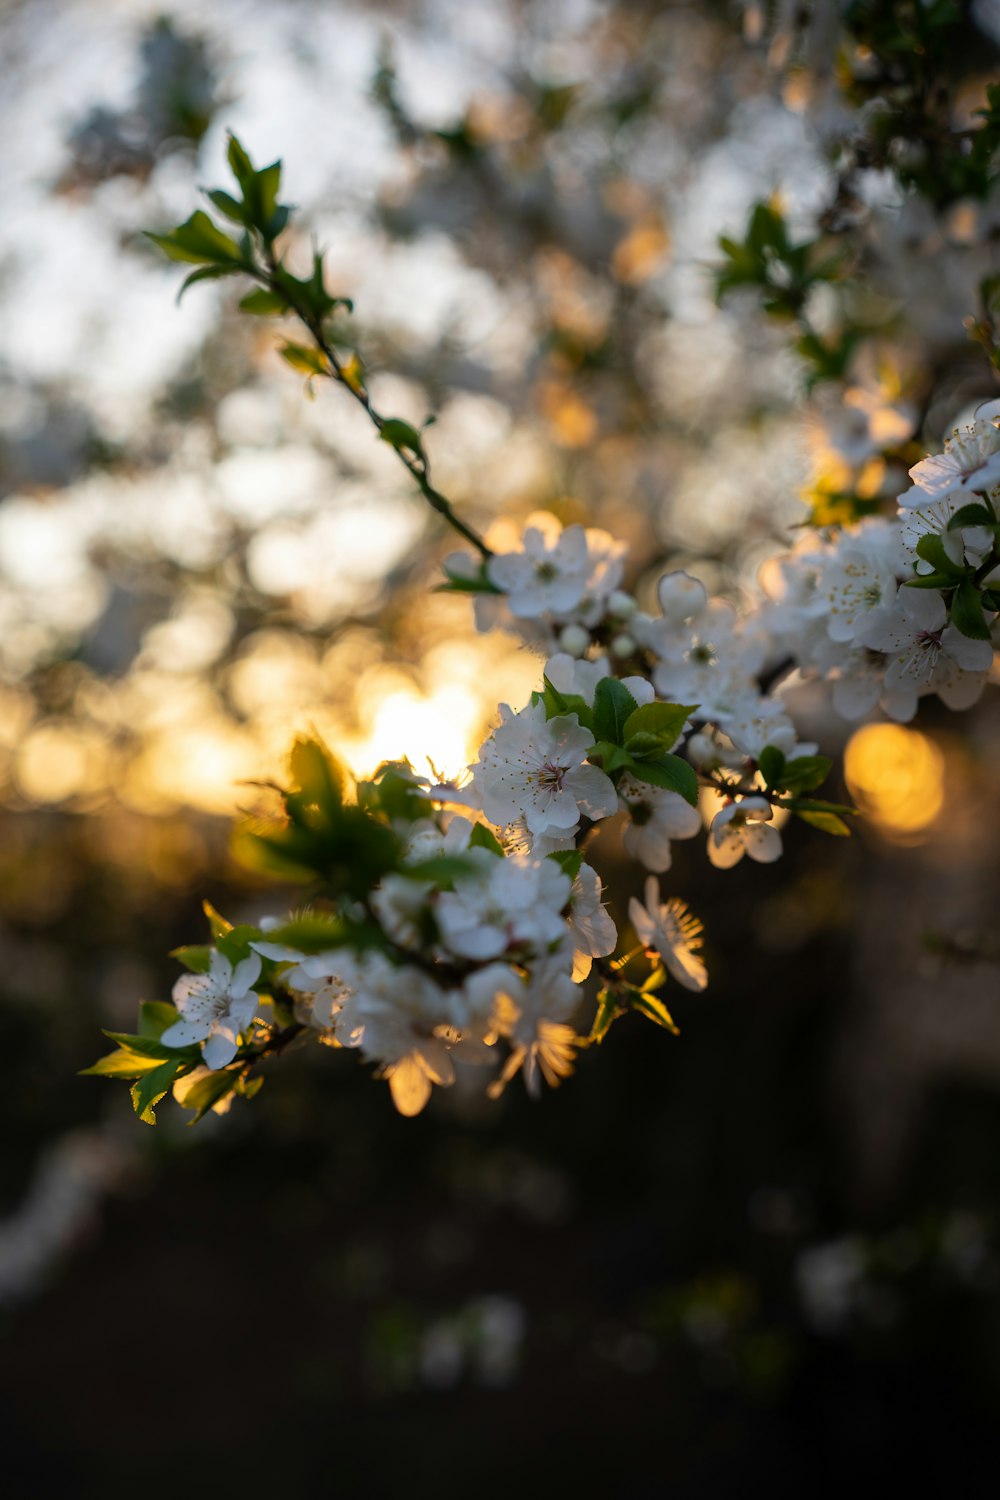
[(740, 828), (214, 1008), (656, 816), (535, 768), (593, 933), (927, 654), (533, 1016), (509, 904), (399, 1017), (556, 572), (970, 463), (669, 929)]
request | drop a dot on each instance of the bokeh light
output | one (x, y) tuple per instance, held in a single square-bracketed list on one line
[(896, 776)]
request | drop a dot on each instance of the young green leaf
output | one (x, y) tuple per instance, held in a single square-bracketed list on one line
[(613, 706), (307, 361), (664, 720), (568, 860), (827, 822), (971, 515), (123, 1063), (772, 763), (607, 1009), (218, 925), (805, 772), (932, 549), (653, 1009), (207, 273), (202, 1092), (264, 304), (482, 837), (670, 772), (148, 1090), (198, 239), (155, 1016), (227, 205), (399, 434), (194, 956), (967, 612)]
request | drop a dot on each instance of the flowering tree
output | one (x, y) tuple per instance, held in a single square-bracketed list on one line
[(456, 922)]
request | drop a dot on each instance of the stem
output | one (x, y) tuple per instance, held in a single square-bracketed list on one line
[(418, 465)]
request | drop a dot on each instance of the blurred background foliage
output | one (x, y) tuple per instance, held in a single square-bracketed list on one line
[(771, 1243)]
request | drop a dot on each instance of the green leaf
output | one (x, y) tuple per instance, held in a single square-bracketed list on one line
[(806, 772), (482, 837), (967, 612), (930, 581), (155, 1016), (207, 273), (239, 163), (664, 720), (617, 758), (205, 1092), (194, 956), (613, 705), (809, 804), (310, 932), (227, 205), (671, 773), (148, 1090), (235, 944), (607, 1010), (217, 923), (971, 515), (772, 763), (264, 304), (400, 434), (559, 704), (645, 744), (198, 239), (316, 773), (932, 549), (990, 599), (653, 1009), (151, 1046), (828, 822), (122, 1063), (307, 361), (268, 185), (568, 860)]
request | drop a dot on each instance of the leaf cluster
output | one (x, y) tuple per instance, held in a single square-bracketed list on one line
[(783, 273), (961, 584), (630, 738), (786, 780)]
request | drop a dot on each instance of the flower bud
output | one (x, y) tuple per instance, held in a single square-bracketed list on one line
[(621, 605), (702, 749), (574, 640), (623, 645)]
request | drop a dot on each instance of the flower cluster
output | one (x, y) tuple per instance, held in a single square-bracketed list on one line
[(454, 925), (466, 918)]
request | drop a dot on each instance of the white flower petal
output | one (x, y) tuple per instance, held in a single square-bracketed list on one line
[(220, 1048)]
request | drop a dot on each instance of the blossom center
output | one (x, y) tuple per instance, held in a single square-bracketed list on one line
[(551, 776)]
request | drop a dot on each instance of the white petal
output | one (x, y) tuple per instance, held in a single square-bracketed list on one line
[(247, 970), (594, 792), (725, 846), (410, 1086), (687, 968), (220, 1049), (184, 1033), (763, 843)]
